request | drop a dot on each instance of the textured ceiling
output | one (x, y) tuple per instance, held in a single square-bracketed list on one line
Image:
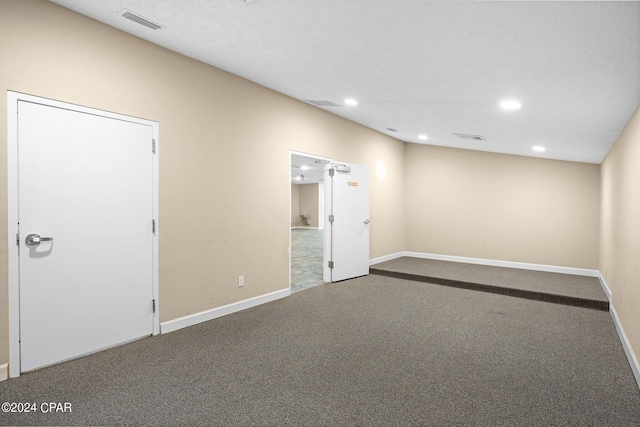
[(435, 68)]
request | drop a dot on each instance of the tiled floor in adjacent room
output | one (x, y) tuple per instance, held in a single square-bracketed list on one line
[(306, 258)]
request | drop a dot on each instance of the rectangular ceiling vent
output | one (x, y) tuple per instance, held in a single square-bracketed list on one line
[(139, 19), (470, 137), (322, 103)]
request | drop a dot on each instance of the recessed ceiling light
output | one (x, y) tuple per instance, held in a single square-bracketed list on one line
[(305, 167), (423, 137), (297, 178), (539, 148), (351, 102), (510, 104)]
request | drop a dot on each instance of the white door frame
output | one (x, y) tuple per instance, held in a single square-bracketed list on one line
[(12, 188), (321, 194)]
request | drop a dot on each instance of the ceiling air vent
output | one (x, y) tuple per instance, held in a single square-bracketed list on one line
[(139, 19), (322, 103), (470, 137), (392, 129)]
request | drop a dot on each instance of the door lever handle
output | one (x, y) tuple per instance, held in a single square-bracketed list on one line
[(35, 239), (367, 221)]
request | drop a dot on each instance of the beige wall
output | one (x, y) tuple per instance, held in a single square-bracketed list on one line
[(620, 229), (503, 207), (309, 202), (211, 122), (295, 205)]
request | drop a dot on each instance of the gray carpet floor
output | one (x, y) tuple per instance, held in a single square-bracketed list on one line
[(372, 351), (537, 281)]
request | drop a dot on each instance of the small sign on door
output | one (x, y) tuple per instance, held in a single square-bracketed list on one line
[(352, 184)]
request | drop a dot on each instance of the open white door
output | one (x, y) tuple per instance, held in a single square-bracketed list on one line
[(346, 253), (86, 233)]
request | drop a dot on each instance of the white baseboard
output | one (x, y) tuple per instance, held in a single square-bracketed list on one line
[(378, 260), (4, 371), (605, 287), (509, 264), (204, 316), (631, 357), (626, 345)]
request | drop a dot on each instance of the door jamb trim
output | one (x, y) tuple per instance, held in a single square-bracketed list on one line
[(12, 202), (313, 156)]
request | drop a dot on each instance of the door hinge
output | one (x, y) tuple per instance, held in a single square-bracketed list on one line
[(153, 303), (18, 239), (330, 264), (153, 226), (331, 218), (153, 146), (332, 172)]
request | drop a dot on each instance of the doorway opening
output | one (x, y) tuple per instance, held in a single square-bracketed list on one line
[(307, 220)]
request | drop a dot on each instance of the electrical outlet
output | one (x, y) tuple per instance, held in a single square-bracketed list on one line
[(240, 281)]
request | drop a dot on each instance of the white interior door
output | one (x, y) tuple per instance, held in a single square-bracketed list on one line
[(86, 182), (346, 222)]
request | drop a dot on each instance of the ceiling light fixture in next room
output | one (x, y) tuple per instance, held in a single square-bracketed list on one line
[(423, 137), (351, 102), (539, 148)]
